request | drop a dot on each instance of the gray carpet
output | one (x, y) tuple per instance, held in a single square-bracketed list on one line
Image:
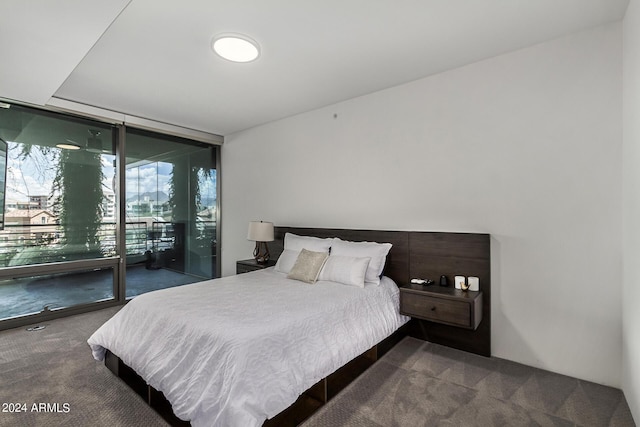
[(423, 384), (415, 384), (55, 366)]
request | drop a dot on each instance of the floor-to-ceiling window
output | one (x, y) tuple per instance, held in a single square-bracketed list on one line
[(171, 211), (57, 246), (95, 213)]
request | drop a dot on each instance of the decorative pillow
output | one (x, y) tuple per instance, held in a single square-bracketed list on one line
[(297, 243), (345, 269), (376, 251), (308, 265)]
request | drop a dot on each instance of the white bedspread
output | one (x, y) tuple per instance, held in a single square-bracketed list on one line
[(238, 350)]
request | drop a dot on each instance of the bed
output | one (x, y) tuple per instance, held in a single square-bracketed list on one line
[(274, 339)]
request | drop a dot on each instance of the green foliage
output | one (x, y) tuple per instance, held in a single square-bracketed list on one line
[(185, 192), (78, 204)]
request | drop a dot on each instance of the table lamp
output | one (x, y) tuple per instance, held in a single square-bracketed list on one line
[(260, 232)]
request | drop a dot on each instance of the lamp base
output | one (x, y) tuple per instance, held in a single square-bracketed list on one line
[(261, 253)]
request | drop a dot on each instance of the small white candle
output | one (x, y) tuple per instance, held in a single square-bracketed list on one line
[(474, 283), (459, 281)]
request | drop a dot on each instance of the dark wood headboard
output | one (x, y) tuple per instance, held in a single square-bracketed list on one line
[(425, 255)]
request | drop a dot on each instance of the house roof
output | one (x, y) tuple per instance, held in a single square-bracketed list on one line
[(26, 213)]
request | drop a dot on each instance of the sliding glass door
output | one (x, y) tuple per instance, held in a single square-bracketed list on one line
[(171, 211), (57, 247)]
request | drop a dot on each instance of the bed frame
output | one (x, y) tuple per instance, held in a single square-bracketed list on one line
[(414, 254)]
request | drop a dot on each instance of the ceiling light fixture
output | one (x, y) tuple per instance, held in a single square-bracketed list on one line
[(69, 145), (235, 47)]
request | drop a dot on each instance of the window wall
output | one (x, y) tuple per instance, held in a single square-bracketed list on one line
[(95, 213), (171, 211)]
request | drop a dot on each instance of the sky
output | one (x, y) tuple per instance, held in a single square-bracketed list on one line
[(27, 177)]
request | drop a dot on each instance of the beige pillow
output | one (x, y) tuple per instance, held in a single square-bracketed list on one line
[(307, 266)]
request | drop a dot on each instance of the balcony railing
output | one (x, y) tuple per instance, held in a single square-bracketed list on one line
[(44, 243)]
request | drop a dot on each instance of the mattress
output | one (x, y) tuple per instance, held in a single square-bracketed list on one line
[(238, 350)]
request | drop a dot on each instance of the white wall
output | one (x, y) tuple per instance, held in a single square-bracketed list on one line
[(525, 146), (631, 209)]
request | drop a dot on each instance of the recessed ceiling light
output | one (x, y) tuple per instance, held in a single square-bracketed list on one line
[(235, 47)]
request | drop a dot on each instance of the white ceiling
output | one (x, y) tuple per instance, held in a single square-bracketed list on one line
[(153, 59)]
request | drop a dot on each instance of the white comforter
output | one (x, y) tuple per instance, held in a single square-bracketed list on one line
[(238, 350)]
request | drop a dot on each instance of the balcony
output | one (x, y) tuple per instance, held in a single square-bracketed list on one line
[(157, 257)]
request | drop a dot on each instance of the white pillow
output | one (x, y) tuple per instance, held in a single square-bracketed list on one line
[(286, 260), (293, 244), (345, 269), (376, 251), (297, 243)]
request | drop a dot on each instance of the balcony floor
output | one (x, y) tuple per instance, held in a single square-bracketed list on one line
[(31, 294)]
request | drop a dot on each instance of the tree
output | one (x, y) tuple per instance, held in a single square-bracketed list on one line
[(78, 204), (185, 201)]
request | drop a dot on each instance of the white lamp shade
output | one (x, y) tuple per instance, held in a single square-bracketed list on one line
[(260, 231)]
